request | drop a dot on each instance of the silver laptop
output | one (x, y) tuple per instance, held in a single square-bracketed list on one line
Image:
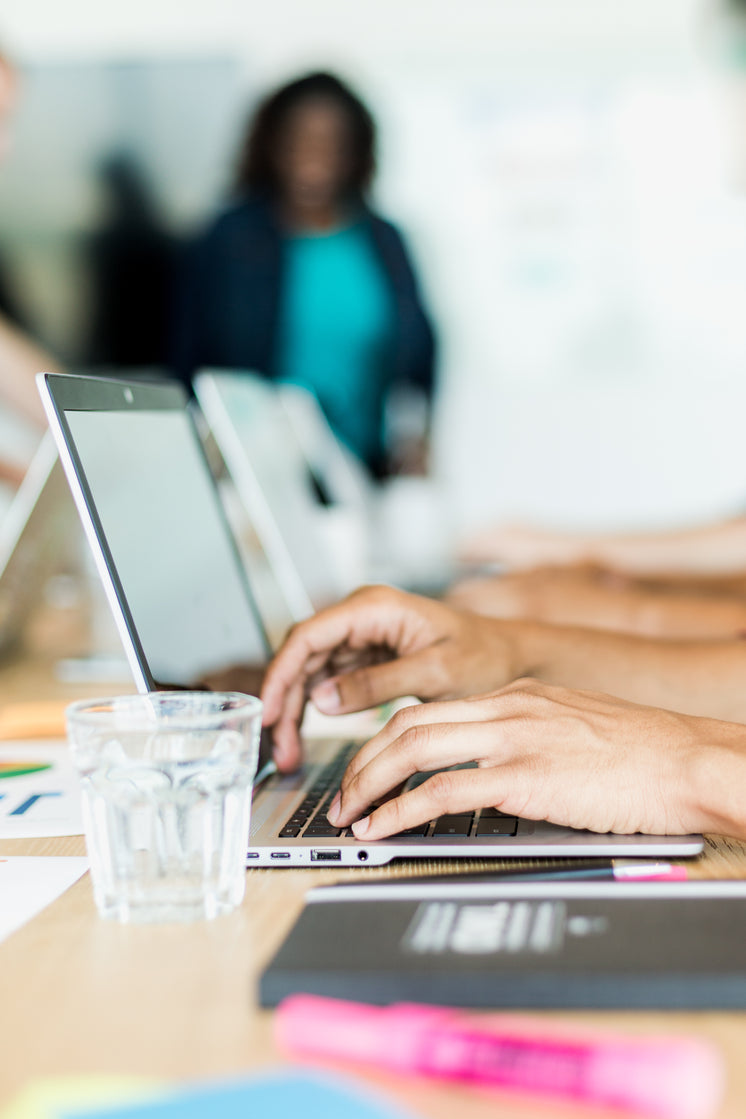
[(151, 511)]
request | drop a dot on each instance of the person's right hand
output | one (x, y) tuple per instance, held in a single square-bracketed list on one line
[(575, 758), (376, 645)]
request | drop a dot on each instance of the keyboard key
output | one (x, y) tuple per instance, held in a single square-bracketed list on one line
[(321, 831), (493, 814), (412, 833), (508, 825), (454, 825), (318, 798), (290, 831)]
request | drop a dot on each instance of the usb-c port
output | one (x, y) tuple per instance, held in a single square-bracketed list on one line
[(279, 855)]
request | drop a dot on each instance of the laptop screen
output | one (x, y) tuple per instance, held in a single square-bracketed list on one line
[(169, 545)]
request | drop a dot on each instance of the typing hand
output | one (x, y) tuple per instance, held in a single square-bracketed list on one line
[(376, 645), (578, 759)]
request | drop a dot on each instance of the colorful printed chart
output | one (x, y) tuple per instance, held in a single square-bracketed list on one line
[(39, 790), (20, 769)]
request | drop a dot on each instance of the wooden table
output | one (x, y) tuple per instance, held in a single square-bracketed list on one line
[(80, 995)]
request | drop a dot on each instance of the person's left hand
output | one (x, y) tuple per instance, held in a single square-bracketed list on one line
[(578, 759)]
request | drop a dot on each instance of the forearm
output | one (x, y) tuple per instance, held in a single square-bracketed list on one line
[(712, 586), (715, 776), (639, 610), (707, 549), (695, 677), (687, 616), (598, 600), (20, 361)]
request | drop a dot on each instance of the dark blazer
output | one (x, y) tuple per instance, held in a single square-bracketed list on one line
[(228, 299)]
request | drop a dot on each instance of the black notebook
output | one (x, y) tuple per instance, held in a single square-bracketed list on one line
[(519, 945)]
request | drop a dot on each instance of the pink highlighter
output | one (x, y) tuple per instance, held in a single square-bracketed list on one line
[(669, 1077)]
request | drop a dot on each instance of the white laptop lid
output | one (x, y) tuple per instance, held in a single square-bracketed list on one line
[(273, 479), (345, 479)]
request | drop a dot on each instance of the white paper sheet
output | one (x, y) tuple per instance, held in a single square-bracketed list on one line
[(42, 803), (29, 884)]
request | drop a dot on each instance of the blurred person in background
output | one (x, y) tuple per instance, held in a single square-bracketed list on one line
[(688, 583), (20, 357), (591, 595), (300, 280), (700, 551), (131, 256)]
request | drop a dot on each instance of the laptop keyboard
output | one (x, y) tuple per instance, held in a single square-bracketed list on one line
[(309, 818)]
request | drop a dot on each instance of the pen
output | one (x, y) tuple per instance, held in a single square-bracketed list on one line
[(666, 1077), (581, 870)]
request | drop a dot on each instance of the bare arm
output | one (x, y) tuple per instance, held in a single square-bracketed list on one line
[(705, 678), (717, 548), (380, 644), (599, 599)]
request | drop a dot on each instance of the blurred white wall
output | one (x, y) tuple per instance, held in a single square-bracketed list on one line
[(564, 171)]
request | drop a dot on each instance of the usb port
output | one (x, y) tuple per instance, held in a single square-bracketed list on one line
[(280, 855), (326, 855)]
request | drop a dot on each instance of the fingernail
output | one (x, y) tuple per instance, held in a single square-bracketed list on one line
[(333, 813), (326, 697), (361, 827)]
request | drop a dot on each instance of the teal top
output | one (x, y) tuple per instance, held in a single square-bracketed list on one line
[(336, 330)]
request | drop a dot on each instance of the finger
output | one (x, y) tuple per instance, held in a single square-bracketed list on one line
[(406, 720), (288, 748), (448, 793), (364, 618), (419, 750), (287, 742), (420, 674)]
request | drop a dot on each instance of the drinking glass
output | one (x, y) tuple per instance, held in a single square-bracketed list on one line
[(166, 781)]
